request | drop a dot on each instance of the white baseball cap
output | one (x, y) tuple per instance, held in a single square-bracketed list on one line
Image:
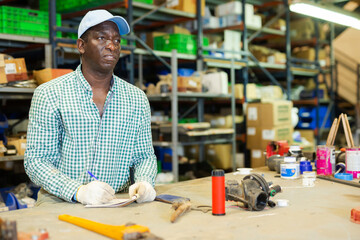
[(96, 17)]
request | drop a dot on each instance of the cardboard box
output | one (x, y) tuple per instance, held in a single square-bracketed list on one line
[(276, 113), (47, 74), (186, 6), (272, 92), (220, 155), (253, 137), (150, 38), (3, 78), (251, 91), (220, 121), (277, 58), (309, 54), (257, 158), (253, 112), (283, 132), (20, 145), (279, 24), (191, 83), (15, 70)]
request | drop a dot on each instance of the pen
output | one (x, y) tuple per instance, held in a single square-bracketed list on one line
[(92, 175)]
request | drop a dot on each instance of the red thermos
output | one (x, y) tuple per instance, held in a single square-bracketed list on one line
[(218, 192)]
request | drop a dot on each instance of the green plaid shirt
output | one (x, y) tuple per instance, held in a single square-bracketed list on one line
[(67, 137)]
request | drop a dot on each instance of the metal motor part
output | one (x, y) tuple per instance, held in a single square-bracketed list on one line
[(253, 192)]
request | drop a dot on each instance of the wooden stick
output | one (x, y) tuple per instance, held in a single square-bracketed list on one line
[(349, 131), (336, 130), (331, 132), (345, 131), (180, 208)]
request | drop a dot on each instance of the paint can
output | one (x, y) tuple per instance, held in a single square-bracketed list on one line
[(352, 159), (290, 169), (305, 166), (325, 160)]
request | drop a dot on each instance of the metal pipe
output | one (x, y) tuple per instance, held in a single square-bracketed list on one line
[(288, 50), (52, 31), (131, 42), (233, 109), (174, 115)]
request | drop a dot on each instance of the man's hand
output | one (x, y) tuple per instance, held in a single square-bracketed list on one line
[(145, 191), (95, 192)]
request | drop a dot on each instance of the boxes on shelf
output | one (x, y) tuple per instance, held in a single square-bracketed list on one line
[(150, 38), (191, 83), (264, 54), (15, 69), (255, 21), (19, 143), (219, 155), (234, 8), (269, 93), (279, 24), (3, 78), (220, 121), (232, 42), (304, 28), (258, 137), (188, 6), (47, 74), (269, 114), (252, 92), (21, 21), (309, 54), (216, 82)]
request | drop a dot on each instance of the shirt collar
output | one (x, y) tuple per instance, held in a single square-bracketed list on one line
[(85, 84)]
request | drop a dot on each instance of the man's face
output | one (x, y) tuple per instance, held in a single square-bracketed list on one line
[(100, 47)]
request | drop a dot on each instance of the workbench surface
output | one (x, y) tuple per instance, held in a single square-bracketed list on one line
[(319, 212)]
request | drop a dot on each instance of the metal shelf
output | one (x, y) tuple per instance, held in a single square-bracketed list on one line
[(11, 158), (182, 56), (21, 38), (240, 27), (215, 141), (168, 96), (16, 93)]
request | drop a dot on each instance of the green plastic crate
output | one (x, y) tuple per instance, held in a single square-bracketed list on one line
[(24, 21), (183, 43), (145, 1)]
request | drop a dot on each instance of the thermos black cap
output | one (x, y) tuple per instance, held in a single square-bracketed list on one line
[(217, 173)]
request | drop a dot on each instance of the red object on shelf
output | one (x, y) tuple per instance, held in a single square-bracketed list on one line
[(277, 147), (355, 215)]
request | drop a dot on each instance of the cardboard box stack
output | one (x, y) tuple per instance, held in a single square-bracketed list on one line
[(266, 122)]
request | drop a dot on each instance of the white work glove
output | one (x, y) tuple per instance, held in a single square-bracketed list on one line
[(145, 191), (95, 192)]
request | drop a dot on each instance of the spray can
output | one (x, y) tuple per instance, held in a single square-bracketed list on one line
[(218, 192)]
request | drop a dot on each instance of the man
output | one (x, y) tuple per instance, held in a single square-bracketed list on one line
[(91, 121)]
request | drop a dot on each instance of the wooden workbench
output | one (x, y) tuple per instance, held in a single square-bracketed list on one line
[(319, 212)]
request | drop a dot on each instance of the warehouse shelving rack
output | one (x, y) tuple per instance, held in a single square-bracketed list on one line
[(140, 9)]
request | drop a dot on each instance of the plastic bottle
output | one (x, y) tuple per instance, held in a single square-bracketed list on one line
[(290, 168)]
